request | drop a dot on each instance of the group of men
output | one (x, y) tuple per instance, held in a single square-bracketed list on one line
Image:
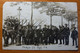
[(36, 35)]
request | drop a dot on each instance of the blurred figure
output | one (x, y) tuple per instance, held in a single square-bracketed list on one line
[(36, 38), (18, 36), (23, 35), (5, 37), (56, 30), (28, 34), (74, 36), (49, 38), (53, 35), (63, 35), (60, 34), (45, 35), (66, 33), (39, 34)]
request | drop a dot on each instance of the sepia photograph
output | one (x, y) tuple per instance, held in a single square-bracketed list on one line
[(40, 26)]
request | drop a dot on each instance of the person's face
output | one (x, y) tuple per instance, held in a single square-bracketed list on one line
[(65, 25), (45, 26)]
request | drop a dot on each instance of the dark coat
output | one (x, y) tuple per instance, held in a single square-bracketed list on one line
[(39, 33), (45, 31), (74, 34), (66, 31), (60, 34)]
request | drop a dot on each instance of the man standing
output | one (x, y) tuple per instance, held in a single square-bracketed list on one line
[(39, 34), (23, 35), (18, 36), (63, 35), (45, 35), (6, 37), (66, 33), (74, 36), (60, 34)]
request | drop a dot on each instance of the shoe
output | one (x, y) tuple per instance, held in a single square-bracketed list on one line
[(76, 46)]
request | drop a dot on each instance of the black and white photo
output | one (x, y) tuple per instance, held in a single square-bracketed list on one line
[(40, 26)]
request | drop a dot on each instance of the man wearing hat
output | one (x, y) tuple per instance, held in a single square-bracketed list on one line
[(74, 36), (66, 33)]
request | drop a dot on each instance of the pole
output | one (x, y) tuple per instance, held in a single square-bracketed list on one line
[(31, 13), (68, 22), (61, 20), (51, 21)]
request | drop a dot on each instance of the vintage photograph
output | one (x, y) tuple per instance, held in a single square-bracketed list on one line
[(40, 26)]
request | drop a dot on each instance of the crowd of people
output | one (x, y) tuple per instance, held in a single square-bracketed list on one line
[(36, 35)]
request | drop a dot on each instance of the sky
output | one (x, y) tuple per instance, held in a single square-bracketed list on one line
[(37, 17)]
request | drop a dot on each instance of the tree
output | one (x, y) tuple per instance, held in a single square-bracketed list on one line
[(71, 16), (50, 8)]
